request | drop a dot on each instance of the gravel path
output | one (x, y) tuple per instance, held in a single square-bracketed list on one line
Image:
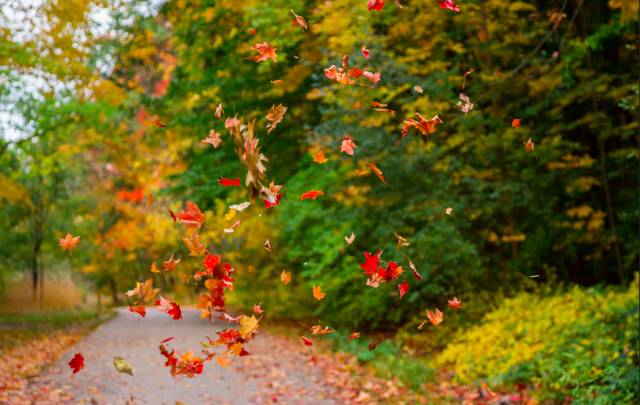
[(278, 369)]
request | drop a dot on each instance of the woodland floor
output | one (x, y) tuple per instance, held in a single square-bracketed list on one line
[(279, 370)]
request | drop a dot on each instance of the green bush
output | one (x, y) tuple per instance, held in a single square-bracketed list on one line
[(582, 344)]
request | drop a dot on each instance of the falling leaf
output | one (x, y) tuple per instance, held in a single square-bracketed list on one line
[(529, 146), (348, 145), (257, 309), (448, 210), (285, 277), (307, 341), (223, 361), (350, 239), (377, 172), (277, 82), (69, 242), (401, 241), (265, 51), (515, 123), (173, 215), (435, 317), (412, 266), (248, 326), (365, 52), (170, 307), (192, 217), (219, 111), (156, 121), (490, 394), (425, 126), (77, 363), (317, 293), (376, 5), (274, 116), (223, 181), (374, 343), (169, 264), (354, 335), (122, 365), (144, 291), (311, 195), (467, 73), (454, 303), (450, 5), (240, 207), (213, 139), (299, 20), (320, 330), (195, 246), (418, 89), (403, 288), (465, 105), (319, 157), (138, 309), (267, 245), (373, 77)]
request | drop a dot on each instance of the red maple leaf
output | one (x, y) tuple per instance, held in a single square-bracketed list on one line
[(311, 195), (138, 309), (69, 242), (265, 51), (191, 216), (371, 263), (450, 5), (348, 146), (404, 288), (223, 181), (425, 126), (454, 303), (77, 363), (307, 341), (365, 52), (376, 5)]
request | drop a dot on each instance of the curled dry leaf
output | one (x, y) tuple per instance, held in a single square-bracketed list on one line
[(354, 335), (375, 342), (307, 341), (435, 317), (267, 245), (240, 207), (465, 105), (144, 292), (122, 365), (403, 288), (275, 116), (299, 21), (377, 172), (349, 239), (449, 5), (214, 139), (348, 146), (219, 111), (418, 89), (448, 210), (425, 126), (191, 216), (529, 146)]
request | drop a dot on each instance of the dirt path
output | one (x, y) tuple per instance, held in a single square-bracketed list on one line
[(278, 370)]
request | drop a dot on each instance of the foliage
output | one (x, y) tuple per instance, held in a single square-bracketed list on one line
[(580, 343)]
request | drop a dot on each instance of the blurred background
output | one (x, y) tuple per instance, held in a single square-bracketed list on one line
[(541, 245)]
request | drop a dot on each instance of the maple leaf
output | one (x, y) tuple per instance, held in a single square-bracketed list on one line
[(299, 20), (272, 195), (170, 307), (307, 341), (529, 146), (231, 123), (274, 116), (465, 105), (195, 246), (450, 5), (214, 139), (365, 52), (376, 5), (317, 293), (354, 335), (371, 263), (515, 123), (319, 157), (377, 172), (356, 72), (265, 51), (348, 145), (138, 309), (170, 264), (311, 195), (156, 121), (454, 303), (77, 363), (69, 242), (144, 291), (435, 317), (248, 326), (285, 277), (373, 77), (122, 365), (350, 239), (425, 126), (403, 288), (223, 181), (192, 217), (418, 89), (257, 309)]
